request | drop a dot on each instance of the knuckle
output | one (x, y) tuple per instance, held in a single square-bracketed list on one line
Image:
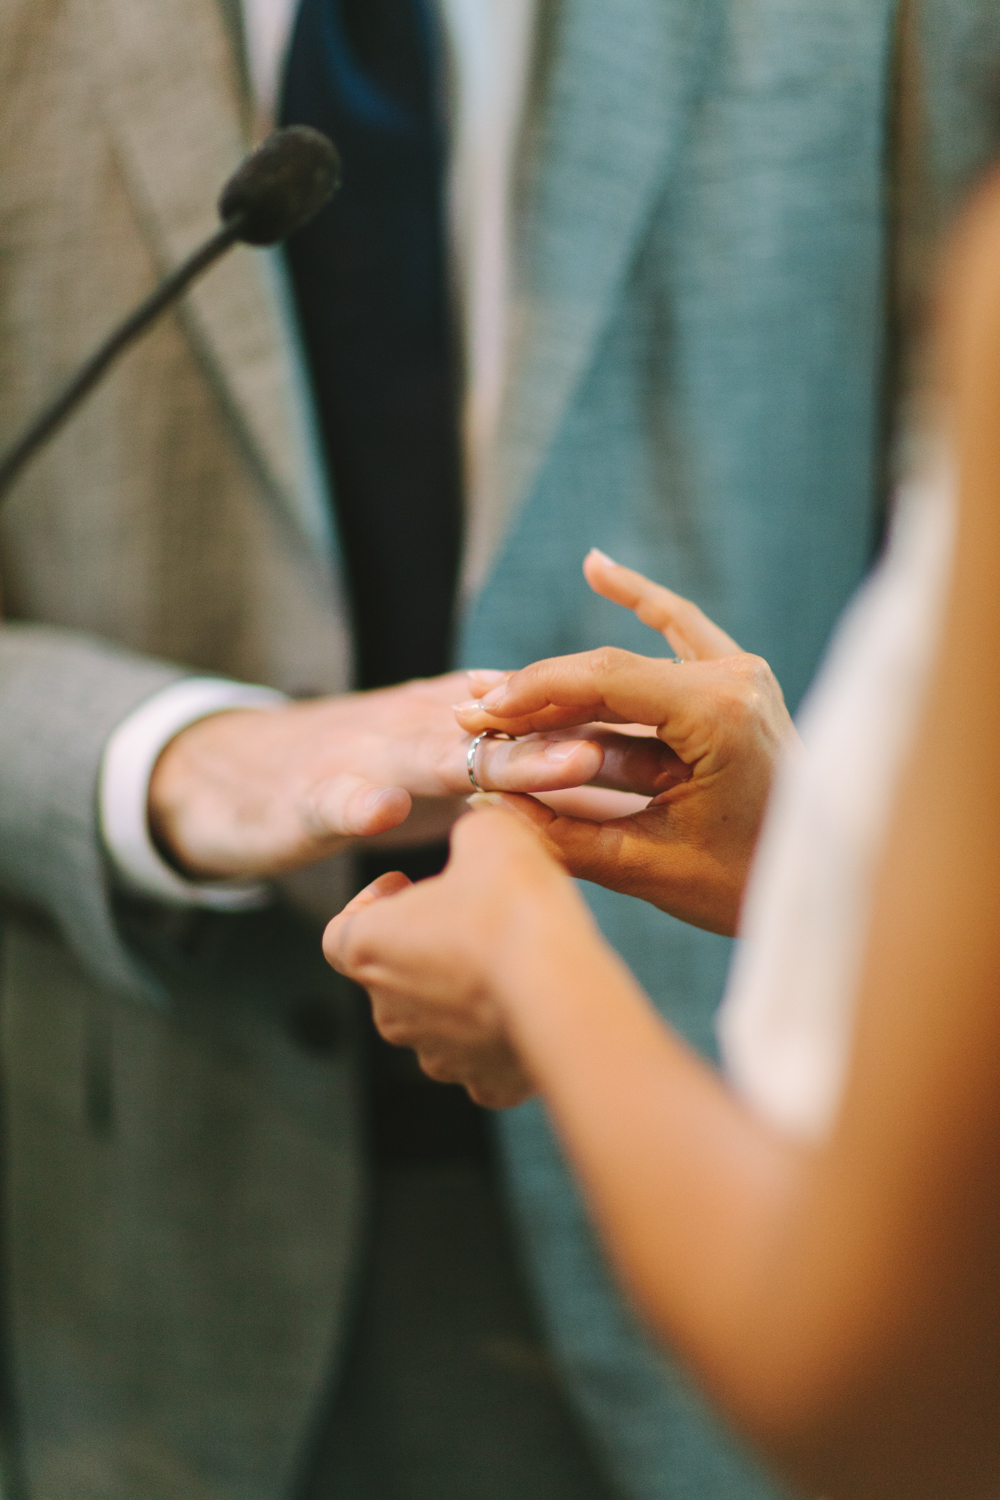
[(437, 1067), (606, 661), (356, 951), (758, 680), (687, 611), (493, 1096), (338, 941), (314, 818), (442, 756), (750, 685), (395, 1030), (758, 670)]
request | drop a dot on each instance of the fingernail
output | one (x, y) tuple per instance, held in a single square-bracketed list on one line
[(486, 674), (373, 800), (596, 552), (493, 698), (562, 750), (482, 800), (470, 706)]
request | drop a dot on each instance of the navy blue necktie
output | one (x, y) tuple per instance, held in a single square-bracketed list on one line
[(371, 284)]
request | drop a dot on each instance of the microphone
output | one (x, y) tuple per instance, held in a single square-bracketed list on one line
[(274, 191)]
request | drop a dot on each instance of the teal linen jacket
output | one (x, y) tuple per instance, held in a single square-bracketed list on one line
[(706, 271)]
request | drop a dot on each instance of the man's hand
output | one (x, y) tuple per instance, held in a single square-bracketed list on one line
[(259, 792), (720, 721)]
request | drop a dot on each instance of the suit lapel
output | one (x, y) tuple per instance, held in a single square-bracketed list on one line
[(174, 102), (612, 90), (611, 97)]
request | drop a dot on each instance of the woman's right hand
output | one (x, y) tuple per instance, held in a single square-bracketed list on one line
[(719, 713)]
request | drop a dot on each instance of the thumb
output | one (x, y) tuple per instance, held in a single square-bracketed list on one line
[(590, 851), (389, 884), (352, 807), (635, 857), (527, 809), (611, 853), (575, 842), (336, 935)]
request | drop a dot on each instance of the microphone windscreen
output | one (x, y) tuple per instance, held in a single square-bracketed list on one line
[(282, 185)]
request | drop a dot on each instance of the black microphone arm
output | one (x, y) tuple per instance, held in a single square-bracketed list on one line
[(276, 190), (58, 409)]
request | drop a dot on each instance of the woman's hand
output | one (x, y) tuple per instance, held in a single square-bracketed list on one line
[(720, 720), (437, 958)]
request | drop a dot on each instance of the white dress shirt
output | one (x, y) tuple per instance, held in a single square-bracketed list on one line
[(489, 44)]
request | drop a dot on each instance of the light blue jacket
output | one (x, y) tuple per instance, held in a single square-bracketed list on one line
[(705, 270)]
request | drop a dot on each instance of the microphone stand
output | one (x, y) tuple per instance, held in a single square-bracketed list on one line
[(60, 407)]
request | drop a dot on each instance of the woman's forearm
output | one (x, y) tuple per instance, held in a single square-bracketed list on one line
[(838, 1301), (690, 1190)]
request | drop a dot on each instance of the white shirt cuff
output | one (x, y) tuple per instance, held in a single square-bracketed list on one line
[(129, 757)]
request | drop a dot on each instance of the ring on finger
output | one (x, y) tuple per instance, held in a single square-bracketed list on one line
[(470, 759)]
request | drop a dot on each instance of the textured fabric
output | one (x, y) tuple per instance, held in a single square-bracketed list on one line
[(371, 285), (152, 520), (371, 281), (652, 1428), (491, 47), (786, 1022), (489, 44), (453, 1394), (372, 290), (699, 398), (182, 1196), (179, 1260), (60, 689), (267, 27)]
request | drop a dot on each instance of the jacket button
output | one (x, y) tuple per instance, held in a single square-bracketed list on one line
[(315, 1025)]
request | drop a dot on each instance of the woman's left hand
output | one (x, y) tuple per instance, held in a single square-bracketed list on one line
[(434, 956), (719, 722)]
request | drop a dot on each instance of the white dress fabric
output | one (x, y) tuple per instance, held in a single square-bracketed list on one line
[(786, 1022)]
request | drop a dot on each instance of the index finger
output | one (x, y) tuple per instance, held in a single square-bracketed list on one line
[(687, 628), (608, 686)]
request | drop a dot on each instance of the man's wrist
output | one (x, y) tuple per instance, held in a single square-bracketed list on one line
[(129, 757)]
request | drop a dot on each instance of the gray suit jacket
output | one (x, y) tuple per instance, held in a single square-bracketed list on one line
[(695, 388)]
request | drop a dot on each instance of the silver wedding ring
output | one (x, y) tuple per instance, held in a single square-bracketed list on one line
[(470, 759)]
